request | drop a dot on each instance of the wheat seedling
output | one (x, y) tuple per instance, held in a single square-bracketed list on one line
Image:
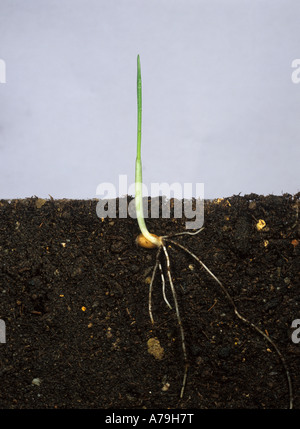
[(148, 240)]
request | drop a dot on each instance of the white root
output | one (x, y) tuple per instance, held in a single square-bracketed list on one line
[(158, 265)]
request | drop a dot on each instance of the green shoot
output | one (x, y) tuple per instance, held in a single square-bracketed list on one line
[(153, 240)]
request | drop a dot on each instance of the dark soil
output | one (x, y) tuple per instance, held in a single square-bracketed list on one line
[(74, 299)]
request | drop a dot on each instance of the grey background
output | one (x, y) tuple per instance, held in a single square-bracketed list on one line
[(219, 104)]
